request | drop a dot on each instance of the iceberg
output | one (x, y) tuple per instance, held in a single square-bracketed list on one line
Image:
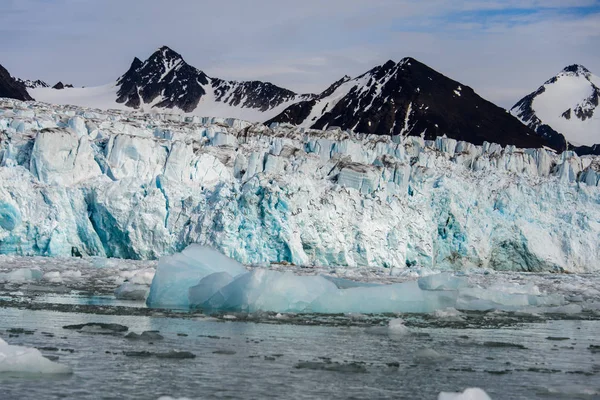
[(26, 360), (202, 278), (177, 274)]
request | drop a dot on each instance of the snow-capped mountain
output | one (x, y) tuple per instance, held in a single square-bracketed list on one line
[(12, 88), (165, 82), (409, 98), (32, 84), (564, 109)]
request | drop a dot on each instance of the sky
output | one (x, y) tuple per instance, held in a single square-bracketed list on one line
[(502, 49)]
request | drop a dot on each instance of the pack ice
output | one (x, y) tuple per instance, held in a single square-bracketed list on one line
[(140, 186), (200, 277)]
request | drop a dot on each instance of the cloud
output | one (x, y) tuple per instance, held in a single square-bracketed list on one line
[(503, 49)]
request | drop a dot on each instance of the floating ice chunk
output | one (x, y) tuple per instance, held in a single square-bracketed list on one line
[(207, 287), (468, 394), (430, 356), (200, 277), (132, 291), (143, 277), (396, 327), (21, 275), (401, 297), (53, 277), (274, 291), (504, 298), (342, 283), (443, 281), (27, 360), (449, 313), (176, 274), (172, 398)]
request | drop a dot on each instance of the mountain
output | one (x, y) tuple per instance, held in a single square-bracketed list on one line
[(564, 109), (60, 86), (409, 98), (166, 82), (404, 98), (31, 84), (10, 87)]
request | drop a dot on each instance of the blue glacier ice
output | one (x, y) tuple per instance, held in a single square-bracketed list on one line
[(179, 273), (141, 186), (200, 277)]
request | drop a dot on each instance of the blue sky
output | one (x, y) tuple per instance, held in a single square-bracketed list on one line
[(503, 49)]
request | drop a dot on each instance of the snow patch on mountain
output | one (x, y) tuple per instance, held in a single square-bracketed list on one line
[(567, 103)]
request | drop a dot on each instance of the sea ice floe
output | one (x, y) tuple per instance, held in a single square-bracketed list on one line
[(26, 360)]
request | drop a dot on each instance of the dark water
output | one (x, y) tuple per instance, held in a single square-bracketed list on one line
[(263, 360)]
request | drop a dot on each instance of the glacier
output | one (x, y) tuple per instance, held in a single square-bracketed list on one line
[(141, 186)]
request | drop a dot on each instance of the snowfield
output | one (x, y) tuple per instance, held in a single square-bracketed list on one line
[(139, 186)]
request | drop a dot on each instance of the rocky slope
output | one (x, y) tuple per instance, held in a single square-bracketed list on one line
[(11, 88), (409, 98)]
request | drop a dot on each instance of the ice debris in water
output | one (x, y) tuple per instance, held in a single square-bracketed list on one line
[(132, 291), (430, 356), (396, 326), (201, 277), (26, 360), (21, 275), (468, 394)]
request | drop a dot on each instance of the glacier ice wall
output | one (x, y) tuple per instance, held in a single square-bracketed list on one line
[(130, 185)]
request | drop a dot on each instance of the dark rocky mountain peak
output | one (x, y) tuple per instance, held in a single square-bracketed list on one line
[(61, 86), (11, 88), (165, 80), (410, 98), (32, 84)]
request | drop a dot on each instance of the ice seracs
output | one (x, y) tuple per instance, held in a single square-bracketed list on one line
[(140, 186)]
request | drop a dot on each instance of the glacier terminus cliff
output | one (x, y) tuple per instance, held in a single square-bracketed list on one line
[(139, 186)]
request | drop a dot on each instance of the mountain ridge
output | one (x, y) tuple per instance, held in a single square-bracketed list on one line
[(395, 98), (563, 109)]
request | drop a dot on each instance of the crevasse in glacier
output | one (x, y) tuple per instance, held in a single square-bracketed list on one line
[(131, 185)]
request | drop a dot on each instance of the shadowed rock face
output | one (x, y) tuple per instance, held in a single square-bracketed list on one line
[(60, 86), (165, 74), (11, 88), (409, 98)]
